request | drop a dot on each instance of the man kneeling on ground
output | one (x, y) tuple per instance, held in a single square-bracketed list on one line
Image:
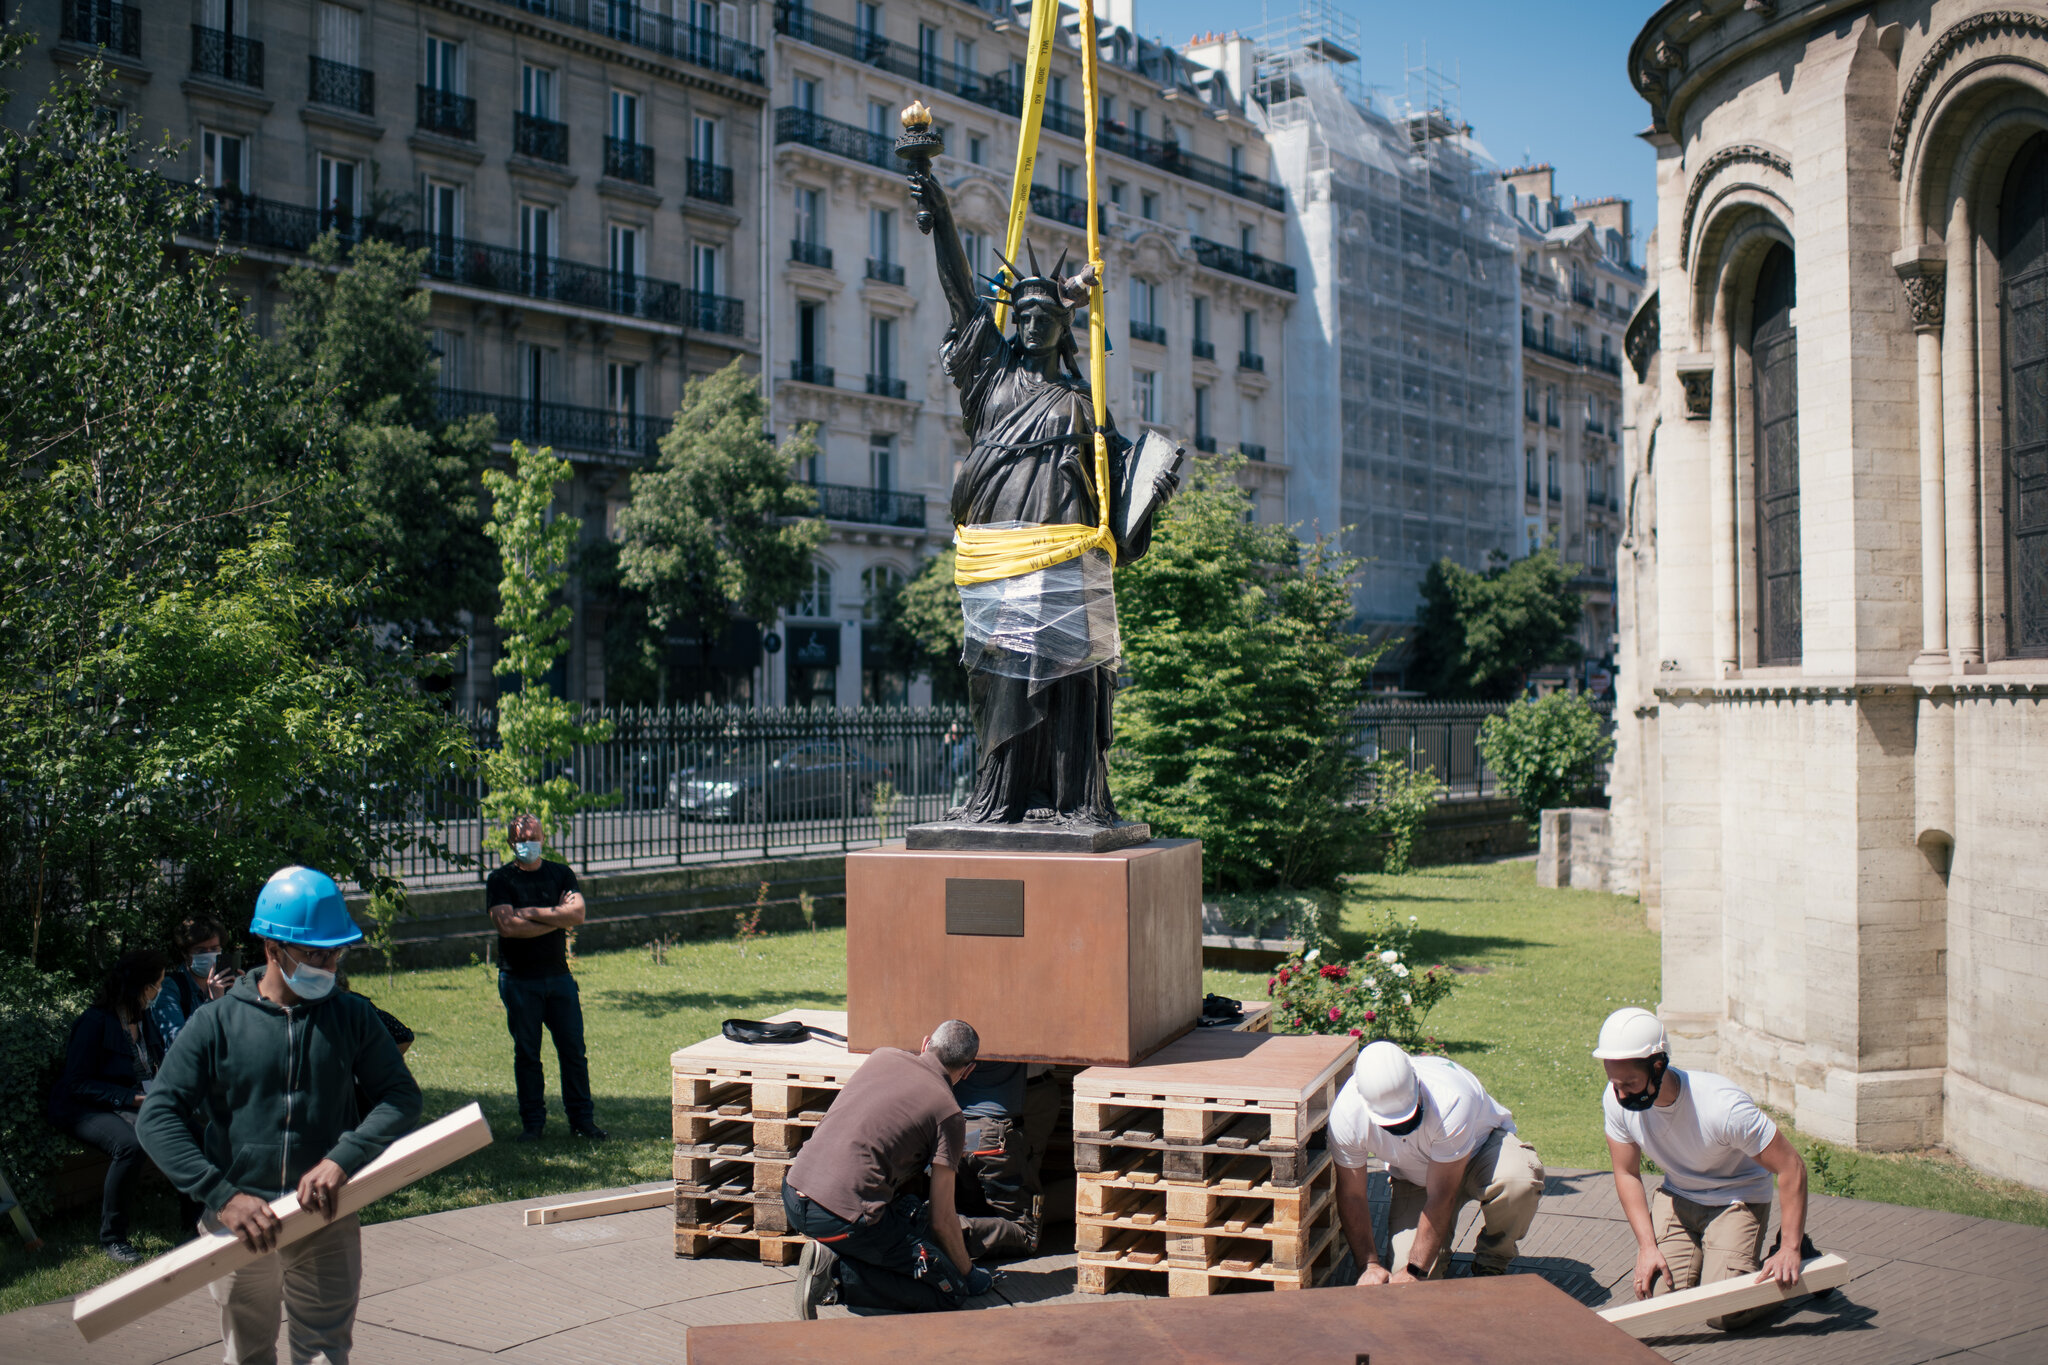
[(1445, 1142), (1718, 1152), (870, 1246)]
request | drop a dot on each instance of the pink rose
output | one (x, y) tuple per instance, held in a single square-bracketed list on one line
[(1335, 1014), (1357, 1033), (1371, 1015)]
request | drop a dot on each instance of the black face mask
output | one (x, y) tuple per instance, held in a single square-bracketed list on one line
[(1409, 1124), (1647, 1096)]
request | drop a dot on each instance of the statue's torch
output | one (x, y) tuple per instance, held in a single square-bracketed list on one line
[(918, 145)]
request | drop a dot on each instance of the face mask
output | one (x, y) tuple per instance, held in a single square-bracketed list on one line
[(202, 964), (1407, 1125), (526, 851), (1647, 1096), (309, 983)]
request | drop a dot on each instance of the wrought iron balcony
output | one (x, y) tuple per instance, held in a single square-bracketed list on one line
[(101, 23), (870, 506), (269, 224), (1204, 350), (929, 70), (227, 57), (1061, 207), (511, 271), (1148, 331), (644, 26), (1583, 293), (340, 85), (1575, 355), (1596, 497), (446, 113), (887, 272), (840, 139), (708, 312), (810, 253), (1534, 489), (821, 375), (709, 182), (543, 139), (883, 386), (1556, 493), (1253, 451), (1243, 264), (1205, 444), (1251, 360), (628, 161), (591, 431)]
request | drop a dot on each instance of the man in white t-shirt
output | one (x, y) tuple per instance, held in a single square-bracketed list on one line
[(1445, 1143), (1718, 1152)]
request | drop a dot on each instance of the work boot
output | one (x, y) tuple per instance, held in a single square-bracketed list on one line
[(123, 1252), (590, 1132), (815, 1279), (529, 1135)]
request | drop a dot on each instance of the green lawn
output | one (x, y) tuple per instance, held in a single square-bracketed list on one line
[(1544, 968)]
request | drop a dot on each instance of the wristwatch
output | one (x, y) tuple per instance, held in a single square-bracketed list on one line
[(1417, 1271)]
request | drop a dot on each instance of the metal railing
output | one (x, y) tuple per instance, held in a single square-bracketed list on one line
[(1148, 331), (1576, 355), (870, 506), (1583, 293), (1206, 444), (810, 253), (631, 161), (269, 224), (1203, 350), (1061, 207), (644, 26), (1440, 736), (543, 139), (797, 21), (100, 23), (708, 312), (446, 113), (227, 57), (1253, 451), (887, 272), (812, 374), (1245, 265), (840, 139), (708, 181), (885, 386), (340, 85), (566, 427), (1596, 497), (1251, 360), (512, 271)]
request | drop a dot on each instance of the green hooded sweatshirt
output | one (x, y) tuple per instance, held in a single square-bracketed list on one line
[(273, 1088)]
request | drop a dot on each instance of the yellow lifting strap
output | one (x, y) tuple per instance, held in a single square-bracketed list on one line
[(985, 553)]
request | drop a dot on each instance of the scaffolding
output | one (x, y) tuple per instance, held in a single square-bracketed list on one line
[(1403, 369)]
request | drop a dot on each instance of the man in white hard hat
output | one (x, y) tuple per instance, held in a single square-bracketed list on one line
[(1445, 1142), (1718, 1151)]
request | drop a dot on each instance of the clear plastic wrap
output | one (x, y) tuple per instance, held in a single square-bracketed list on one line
[(1044, 625)]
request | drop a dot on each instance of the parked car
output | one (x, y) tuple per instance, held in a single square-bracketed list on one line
[(829, 778)]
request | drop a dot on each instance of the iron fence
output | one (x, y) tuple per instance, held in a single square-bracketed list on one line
[(227, 57), (340, 85), (1440, 736)]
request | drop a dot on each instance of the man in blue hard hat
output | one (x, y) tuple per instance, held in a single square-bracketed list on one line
[(258, 1098), (534, 903)]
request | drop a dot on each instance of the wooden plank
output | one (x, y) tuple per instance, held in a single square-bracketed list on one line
[(177, 1273), (597, 1208), (1223, 1063), (1669, 1312), (818, 1057)]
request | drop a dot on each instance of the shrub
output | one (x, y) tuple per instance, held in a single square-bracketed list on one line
[(1306, 915), (36, 1013), (1402, 798), (1378, 996), (1546, 753)]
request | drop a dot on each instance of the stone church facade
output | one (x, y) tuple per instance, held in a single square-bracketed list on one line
[(1831, 789)]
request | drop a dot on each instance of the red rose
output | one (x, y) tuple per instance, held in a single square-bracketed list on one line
[(1335, 1014), (1333, 972), (1356, 1033), (1371, 1015)]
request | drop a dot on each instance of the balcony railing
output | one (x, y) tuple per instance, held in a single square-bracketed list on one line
[(887, 272), (872, 506), (1251, 360), (821, 375), (840, 139), (644, 26), (628, 161), (1245, 265), (1576, 355), (1551, 419), (863, 45), (99, 23), (227, 57), (708, 181), (1253, 451), (1203, 350), (269, 224), (708, 312), (1556, 493), (883, 386), (594, 431), (543, 139), (1061, 207), (1148, 331), (810, 253), (446, 113), (1583, 293), (511, 271), (1596, 497), (1206, 444), (340, 85)]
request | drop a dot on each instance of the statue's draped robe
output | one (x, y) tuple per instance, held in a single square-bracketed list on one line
[(1043, 746)]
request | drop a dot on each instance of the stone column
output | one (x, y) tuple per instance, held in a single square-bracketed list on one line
[(1921, 272), (1705, 385), (1959, 443)]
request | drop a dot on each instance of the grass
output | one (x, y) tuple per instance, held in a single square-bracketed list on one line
[(1542, 969)]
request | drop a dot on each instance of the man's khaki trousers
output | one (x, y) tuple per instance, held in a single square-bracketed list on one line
[(1709, 1243), (1506, 1176), (316, 1280)]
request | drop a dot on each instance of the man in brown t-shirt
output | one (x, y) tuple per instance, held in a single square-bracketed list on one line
[(869, 1248)]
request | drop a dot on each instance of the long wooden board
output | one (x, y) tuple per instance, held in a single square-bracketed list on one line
[(1223, 1065), (177, 1273), (597, 1208), (1668, 1312)]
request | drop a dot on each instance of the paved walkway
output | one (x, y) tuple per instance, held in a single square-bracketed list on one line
[(478, 1286)]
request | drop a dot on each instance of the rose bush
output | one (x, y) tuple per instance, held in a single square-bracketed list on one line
[(1382, 995)]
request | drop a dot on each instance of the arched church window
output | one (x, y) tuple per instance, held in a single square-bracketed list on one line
[(1774, 365), (2023, 279)]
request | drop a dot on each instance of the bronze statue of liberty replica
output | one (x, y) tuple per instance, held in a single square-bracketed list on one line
[(1036, 547)]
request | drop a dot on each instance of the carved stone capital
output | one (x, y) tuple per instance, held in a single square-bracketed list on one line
[(1923, 274), (1696, 376)]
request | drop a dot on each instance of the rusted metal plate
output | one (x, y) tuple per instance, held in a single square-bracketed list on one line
[(1521, 1318)]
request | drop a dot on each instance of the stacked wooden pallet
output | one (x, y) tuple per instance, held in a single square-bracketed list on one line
[(742, 1112), (1207, 1162)]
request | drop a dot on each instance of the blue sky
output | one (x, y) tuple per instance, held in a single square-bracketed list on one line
[(1546, 79)]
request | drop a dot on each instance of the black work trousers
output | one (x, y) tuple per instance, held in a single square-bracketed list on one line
[(888, 1262)]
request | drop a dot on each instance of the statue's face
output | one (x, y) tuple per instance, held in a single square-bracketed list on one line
[(1039, 324)]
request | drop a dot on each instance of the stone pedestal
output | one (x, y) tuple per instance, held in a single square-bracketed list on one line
[(1085, 959), (1573, 850)]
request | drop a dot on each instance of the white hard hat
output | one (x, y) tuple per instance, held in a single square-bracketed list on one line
[(1630, 1035), (1385, 1080)]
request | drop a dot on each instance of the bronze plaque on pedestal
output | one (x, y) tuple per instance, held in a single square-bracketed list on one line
[(1086, 959)]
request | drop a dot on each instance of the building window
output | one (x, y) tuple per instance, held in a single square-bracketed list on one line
[(622, 398), (705, 269), (878, 118), (970, 247), (975, 155), (877, 585), (963, 55), (537, 91), (816, 598), (1552, 412), (1145, 394), (807, 219), (1550, 480), (882, 236), (224, 161), (1774, 369), (1148, 204), (1529, 408), (444, 65), (882, 348), (1204, 439), (1251, 331), (704, 139), (810, 339), (1201, 322), (450, 350), (2023, 280), (882, 462), (1529, 472), (867, 18), (806, 94), (1116, 193), (341, 199), (626, 117), (537, 365)]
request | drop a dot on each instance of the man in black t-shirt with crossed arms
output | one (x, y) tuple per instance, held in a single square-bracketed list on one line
[(533, 903)]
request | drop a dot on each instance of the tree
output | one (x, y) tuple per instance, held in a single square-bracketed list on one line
[(1546, 753), (720, 527), (922, 626), (1236, 729), (1478, 635), (357, 338), (536, 729)]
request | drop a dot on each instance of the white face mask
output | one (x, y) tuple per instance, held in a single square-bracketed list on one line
[(309, 983), (527, 851), (202, 964)]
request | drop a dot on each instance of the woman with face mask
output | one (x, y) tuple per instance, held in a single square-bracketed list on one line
[(198, 974), (111, 1063)]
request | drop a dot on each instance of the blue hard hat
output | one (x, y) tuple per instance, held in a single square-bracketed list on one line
[(302, 906)]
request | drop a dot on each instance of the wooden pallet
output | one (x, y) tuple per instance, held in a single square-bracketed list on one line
[(1231, 1206), (1238, 1263), (1287, 1166)]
